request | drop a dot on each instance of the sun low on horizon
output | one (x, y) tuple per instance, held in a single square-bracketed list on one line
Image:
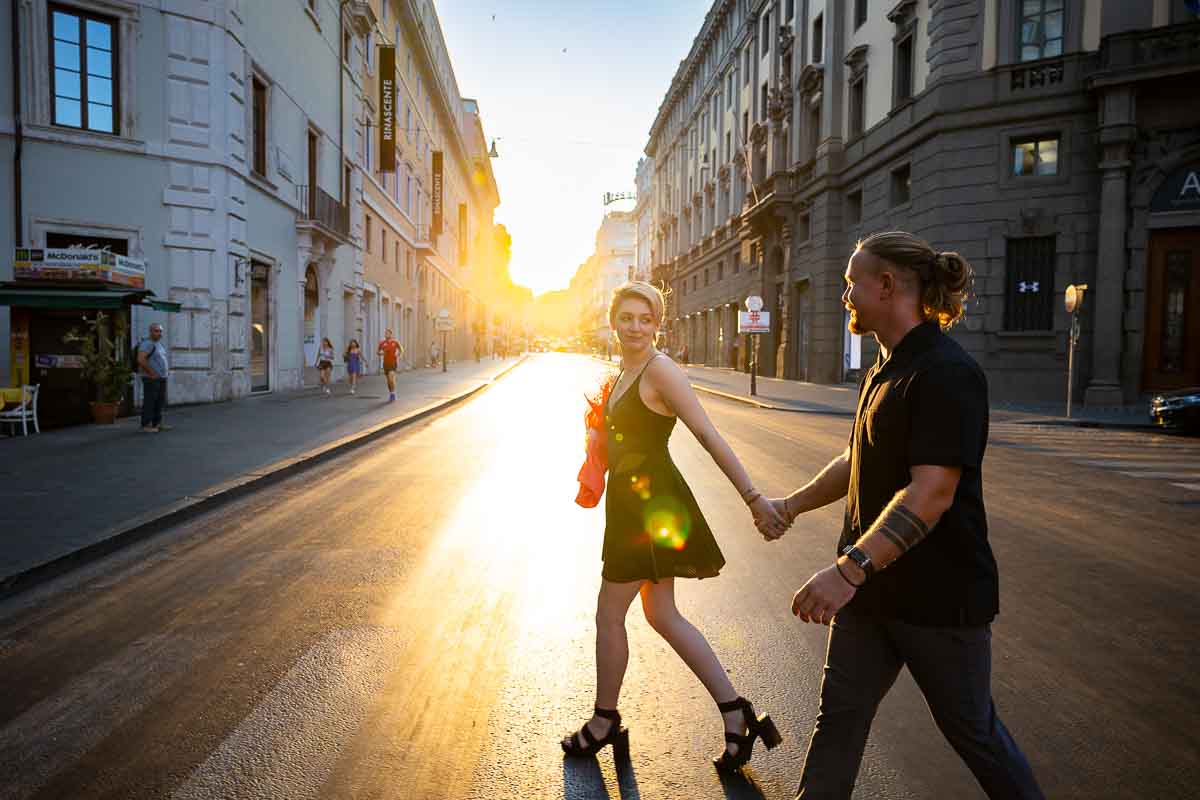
[(557, 158)]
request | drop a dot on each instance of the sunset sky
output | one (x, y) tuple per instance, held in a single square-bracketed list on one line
[(569, 91)]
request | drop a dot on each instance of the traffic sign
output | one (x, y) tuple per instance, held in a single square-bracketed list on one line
[(754, 322), (754, 303), (444, 323)]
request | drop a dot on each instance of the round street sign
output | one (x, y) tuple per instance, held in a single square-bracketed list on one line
[(1074, 297), (754, 303)]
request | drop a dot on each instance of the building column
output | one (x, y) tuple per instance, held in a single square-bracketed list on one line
[(783, 366), (1117, 132)]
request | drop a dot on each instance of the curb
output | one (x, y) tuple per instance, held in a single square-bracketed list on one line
[(146, 525), (828, 412), (1137, 427)]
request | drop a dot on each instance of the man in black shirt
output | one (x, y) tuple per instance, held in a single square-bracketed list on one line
[(914, 582)]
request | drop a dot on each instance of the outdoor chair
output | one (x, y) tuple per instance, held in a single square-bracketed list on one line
[(25, 412)]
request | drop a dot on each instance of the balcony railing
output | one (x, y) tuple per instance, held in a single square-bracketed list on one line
[(426, 241), (319, 208), (1169, 46)]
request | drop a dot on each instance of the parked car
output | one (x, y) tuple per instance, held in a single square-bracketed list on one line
[(1180, 409)]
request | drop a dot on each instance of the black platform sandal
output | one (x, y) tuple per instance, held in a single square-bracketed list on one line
[(617, 736), (758, 728)]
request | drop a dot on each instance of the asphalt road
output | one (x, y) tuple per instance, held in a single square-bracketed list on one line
[(414, 620)]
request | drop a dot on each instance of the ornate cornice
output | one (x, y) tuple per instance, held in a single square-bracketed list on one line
[(779, 104), (856, 60), (812, 77), (786, 39), (903, 13)]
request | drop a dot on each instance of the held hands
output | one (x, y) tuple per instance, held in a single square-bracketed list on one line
[(767, 518), (825, 594)]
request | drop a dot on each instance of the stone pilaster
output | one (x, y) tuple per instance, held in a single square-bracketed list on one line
[(1117, 133)]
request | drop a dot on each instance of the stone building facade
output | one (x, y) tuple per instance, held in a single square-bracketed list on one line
[(1043, 141), (219, 162)]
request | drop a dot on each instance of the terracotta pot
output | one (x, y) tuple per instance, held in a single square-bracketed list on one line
[(104, 413)]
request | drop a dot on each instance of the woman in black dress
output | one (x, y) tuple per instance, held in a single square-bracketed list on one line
[(654, 531)]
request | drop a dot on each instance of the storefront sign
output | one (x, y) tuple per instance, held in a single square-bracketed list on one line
[(78, 264), (437, 193), (1180, 191), (44, 361), (387, 108)]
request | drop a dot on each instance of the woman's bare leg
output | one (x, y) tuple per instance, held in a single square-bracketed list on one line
[(612, 649), (658, 603)]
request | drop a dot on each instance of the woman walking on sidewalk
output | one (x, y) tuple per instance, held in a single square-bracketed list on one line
[(654, 531), (354, 364), (325, 364)]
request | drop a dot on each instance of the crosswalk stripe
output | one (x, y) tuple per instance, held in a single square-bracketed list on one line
[(1166, 476), (289, 744), (1127, 464), (55, 733)]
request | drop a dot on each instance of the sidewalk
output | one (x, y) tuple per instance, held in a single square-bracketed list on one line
[(76, 493), (840, 400)]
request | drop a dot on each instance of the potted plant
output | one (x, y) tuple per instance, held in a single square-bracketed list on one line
[(101, 366)]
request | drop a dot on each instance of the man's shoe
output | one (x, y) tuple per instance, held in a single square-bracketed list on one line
[(149, 429), (163, 427), (392, 397)]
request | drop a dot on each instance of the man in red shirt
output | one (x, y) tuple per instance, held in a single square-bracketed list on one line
[(389, 352)]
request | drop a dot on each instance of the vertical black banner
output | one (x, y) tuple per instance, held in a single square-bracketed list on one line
[(387, 108), (437, 193), (462, 233)]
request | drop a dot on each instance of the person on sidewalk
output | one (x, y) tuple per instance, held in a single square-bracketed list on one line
[(325, 364), (389, 352), (152, 366), (914, 582), (435, 353), (354, 364), (654, 531)]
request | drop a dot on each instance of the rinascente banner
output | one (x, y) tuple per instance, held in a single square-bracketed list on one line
[(437, 192), (387, 108)]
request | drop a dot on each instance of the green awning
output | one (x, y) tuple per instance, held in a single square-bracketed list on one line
[(65, 298), (62, 298)]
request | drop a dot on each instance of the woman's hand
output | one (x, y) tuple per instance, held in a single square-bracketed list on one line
[(767, 519)]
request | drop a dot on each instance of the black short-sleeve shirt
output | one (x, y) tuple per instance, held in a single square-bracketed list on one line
[(927, 404)]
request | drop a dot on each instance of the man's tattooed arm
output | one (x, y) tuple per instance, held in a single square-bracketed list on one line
[(908, 519)]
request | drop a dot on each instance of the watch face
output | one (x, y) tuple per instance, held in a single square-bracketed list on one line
[(857, 556)]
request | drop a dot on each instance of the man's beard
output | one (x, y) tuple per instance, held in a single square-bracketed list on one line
[(855, 325)]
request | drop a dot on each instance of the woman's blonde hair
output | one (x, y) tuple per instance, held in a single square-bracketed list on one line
[(944, 279), (638, 290)]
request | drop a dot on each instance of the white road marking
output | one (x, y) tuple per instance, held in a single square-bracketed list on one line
[(55, 733), (289, 744)]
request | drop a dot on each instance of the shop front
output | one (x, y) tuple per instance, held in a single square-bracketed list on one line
[(56, 292)]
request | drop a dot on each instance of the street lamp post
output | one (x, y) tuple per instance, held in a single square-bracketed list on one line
[(1073, 301)]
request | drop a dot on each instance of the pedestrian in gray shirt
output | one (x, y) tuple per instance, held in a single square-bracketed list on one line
[(152, 366)]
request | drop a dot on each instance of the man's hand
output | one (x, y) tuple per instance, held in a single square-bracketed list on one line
[(781, 508), (768, 521), (825, 594)]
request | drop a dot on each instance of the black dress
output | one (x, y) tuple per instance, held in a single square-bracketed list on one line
[(653, 527)]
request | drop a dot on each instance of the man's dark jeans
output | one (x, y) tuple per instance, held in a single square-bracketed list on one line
[(952, 667), (154, 398)]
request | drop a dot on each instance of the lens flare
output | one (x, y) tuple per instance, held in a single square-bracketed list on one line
[(667, 522), (640, 484)]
